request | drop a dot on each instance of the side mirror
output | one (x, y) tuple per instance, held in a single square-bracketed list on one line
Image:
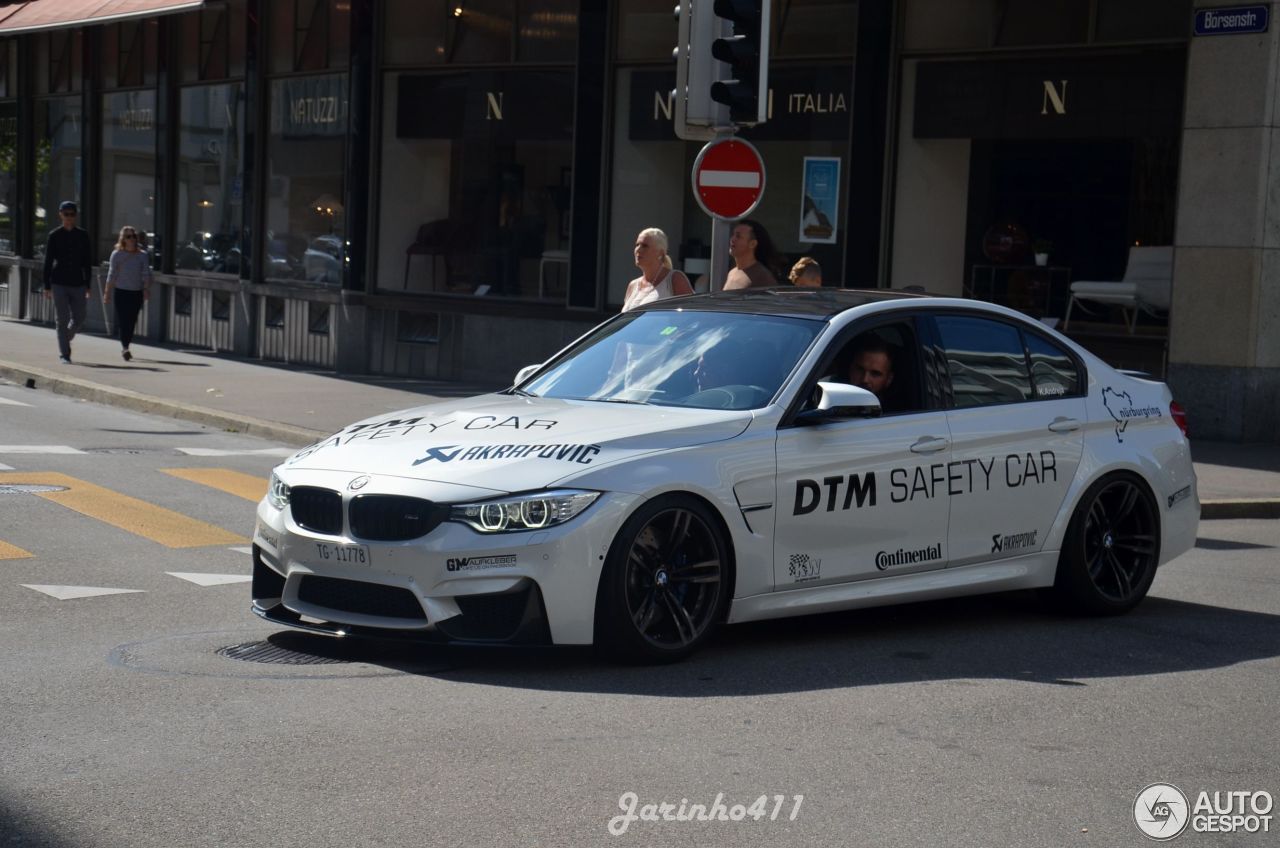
[(525, 373), (840, 400)]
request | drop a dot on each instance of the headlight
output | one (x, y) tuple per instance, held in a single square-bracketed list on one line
[(523, 512), (277, 492)]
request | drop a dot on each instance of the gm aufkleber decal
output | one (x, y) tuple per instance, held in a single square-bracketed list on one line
[(943, 479)]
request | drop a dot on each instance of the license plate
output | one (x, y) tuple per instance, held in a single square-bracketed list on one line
[(348, 554)]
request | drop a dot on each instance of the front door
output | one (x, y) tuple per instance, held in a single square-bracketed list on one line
[(866, 497)]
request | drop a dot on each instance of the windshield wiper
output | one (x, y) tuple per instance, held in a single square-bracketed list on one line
[(521, 392), (620, 400)]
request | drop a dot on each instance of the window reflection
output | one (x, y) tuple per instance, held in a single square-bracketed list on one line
[(210, 185), (128, 169), (306, 221), (8, 174), (57, 138)]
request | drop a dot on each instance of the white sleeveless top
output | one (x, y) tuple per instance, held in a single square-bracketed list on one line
[(643, 294)]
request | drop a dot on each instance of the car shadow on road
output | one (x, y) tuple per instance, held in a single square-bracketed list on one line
[(1008, 637)]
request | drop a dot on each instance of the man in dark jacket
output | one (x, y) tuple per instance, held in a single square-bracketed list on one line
[(67, 274)]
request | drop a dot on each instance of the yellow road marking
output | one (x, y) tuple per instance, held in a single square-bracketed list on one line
[(224, 480), (8, 551), (169, 528)]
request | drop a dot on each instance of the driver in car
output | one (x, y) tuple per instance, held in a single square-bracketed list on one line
[(871, 367)]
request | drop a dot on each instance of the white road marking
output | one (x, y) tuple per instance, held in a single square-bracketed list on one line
[(210, 579), (729, 179), (221, 452), (39, 449), (67, 593), (13, 402), (4, 467), (242, 550)]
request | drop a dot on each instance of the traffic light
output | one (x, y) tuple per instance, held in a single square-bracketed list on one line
[(697, 116), (745, 86)]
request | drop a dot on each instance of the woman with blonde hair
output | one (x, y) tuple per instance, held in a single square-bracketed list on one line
[(806, 273), (129, 276), (658, 279)]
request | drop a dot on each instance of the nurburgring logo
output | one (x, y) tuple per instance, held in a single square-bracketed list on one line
[(1160, 811)]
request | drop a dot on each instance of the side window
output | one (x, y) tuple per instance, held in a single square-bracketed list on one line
[(884, 360), (986, 360), (1053, 371)]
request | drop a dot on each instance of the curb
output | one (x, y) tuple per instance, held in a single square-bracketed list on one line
[(137, 402), (1240, 508)]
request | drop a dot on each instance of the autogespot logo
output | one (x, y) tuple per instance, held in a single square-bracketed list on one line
[(1161, 811)]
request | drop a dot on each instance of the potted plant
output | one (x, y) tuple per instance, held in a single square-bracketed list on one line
[(1041, 247)]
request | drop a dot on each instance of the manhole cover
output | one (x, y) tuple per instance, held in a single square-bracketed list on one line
[(265, 652), (28, 489)]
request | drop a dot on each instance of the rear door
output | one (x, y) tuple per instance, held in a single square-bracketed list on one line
[(1017, 423)]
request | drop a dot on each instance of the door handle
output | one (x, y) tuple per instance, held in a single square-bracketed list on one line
[(930, 444), (1064, 425)]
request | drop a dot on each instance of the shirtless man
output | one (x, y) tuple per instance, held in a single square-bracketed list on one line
[(753, 254)]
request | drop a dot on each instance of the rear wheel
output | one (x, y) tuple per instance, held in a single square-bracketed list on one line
[(1112, 548), (665, 582)]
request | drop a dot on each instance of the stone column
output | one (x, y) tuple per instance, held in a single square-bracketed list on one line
[(1224, 332)]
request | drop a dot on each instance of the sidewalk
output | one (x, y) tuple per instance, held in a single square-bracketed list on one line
[(297, 406)]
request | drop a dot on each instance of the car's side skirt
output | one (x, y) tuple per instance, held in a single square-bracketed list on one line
[(1026, 572)]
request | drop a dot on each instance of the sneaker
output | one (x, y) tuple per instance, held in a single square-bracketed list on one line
[(128, 357), (65, 360)]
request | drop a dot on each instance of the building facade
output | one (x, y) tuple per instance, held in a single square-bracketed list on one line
[(452, 190)]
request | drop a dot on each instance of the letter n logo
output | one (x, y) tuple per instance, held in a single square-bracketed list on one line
[(1053, 97), (493, 106)]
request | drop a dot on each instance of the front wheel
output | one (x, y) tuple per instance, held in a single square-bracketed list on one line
[(665, 583), (1112, 548)]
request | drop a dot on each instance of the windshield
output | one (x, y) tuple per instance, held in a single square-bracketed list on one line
[(708, 360)]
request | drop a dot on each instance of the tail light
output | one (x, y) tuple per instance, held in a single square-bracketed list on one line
[(1179, 416)]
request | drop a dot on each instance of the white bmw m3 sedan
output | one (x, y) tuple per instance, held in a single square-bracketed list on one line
[(732, 457)]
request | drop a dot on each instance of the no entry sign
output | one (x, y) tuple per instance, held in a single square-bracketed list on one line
[(728, 178)]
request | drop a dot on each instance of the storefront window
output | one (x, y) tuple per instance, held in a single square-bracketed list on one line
[(647, 30), (213, 43), (476, 171), (128, 170), (129, 53), (309, 35), (306, 158), (805, 143), (58, 61), (481, 32), (58, 129), (8, 174), (210, 184)]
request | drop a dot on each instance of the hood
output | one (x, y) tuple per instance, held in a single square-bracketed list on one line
[(509, 443)]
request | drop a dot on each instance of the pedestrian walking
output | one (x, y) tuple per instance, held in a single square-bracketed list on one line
[(658, 279), (756, 262), (129, 277), (68, 267), (806, 273)]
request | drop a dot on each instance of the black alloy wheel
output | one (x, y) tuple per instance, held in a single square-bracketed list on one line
[(665, 583), (1112, 548)]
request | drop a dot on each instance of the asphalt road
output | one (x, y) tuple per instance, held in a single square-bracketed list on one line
[(127, 720)]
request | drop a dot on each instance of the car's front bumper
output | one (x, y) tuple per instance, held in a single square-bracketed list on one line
[(453, 584)]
